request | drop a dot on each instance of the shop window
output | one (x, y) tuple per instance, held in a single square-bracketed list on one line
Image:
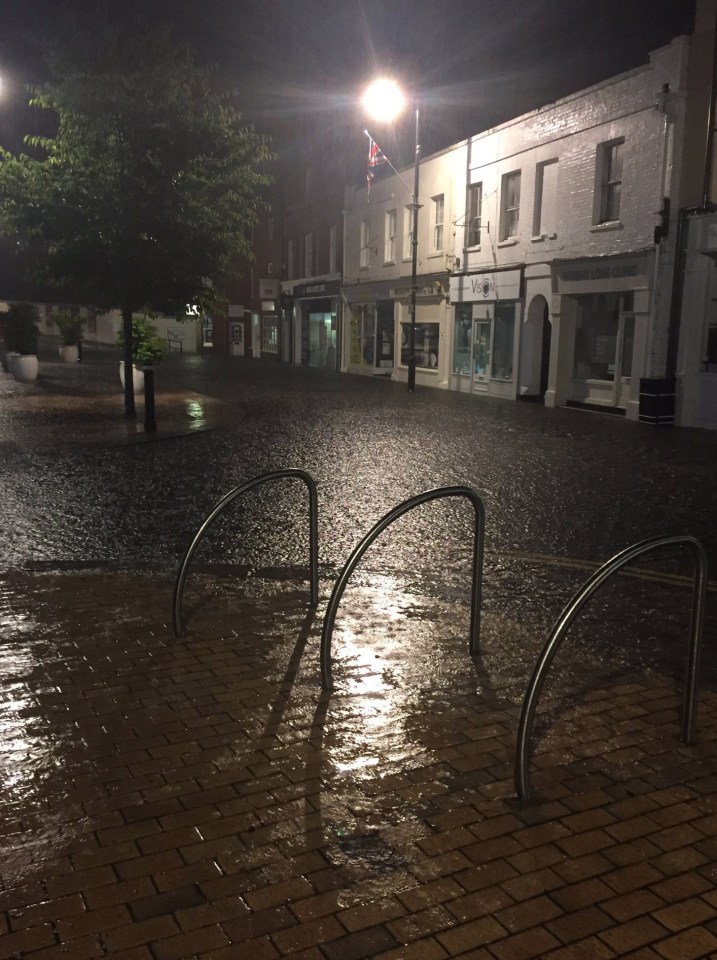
[(426, 344), (546, 195), (363, 335), (503, 333), (509, 205), (489, 354), (438, 208), (462, 339), (608, 179), (474, 206), (389, 243), (604, 334), (270, 334)]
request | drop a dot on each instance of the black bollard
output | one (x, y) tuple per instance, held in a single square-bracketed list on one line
[(79, 349), (150, 424)]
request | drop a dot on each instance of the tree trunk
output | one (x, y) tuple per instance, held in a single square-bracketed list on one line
[(129, 409)]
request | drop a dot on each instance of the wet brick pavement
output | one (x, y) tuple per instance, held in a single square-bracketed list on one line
[(201, 797)]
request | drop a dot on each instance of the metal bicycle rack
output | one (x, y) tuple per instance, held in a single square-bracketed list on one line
[(224, 502), (371, 536), (566, 619)]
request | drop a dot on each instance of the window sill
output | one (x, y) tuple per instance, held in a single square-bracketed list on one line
[(542, 237), (389, 263), (508, 242), (434, 254), (474, 249), (607, 226)]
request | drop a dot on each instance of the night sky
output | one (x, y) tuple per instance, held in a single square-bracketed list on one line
[(475, 63)]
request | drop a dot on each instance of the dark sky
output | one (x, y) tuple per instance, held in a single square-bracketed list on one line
[(475, 63)]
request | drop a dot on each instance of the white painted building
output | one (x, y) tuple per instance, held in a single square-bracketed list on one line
[(564, 286), (377, 271)]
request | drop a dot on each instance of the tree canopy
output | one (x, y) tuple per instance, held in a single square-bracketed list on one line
[(146, 193)]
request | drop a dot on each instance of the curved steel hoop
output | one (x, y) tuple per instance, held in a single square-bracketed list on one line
[(224, 502), (371, 536), (566, 619)]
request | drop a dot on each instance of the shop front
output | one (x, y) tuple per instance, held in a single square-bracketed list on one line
[(316, 324), (486, 318), (379, 330), (603, 319)]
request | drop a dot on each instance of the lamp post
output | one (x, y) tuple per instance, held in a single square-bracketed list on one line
[(384, 100)]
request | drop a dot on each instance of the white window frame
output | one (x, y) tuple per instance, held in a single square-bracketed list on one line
[(509, 205), (539, 225), (474, 209), (309, 255), (332, 249), (364, 251), (407, 251), (437, 215), (608, 181), (389, 240)]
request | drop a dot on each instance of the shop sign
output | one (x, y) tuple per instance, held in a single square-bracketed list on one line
[(268, 289), (486, 287), (586, 276), (400, 293), (315, 288)]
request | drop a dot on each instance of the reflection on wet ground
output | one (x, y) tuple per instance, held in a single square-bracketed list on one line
[(198, 795)]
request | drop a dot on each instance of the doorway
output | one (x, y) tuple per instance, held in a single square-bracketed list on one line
[(535, 350)]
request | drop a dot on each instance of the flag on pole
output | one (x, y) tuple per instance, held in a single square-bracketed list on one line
[(375, 158)]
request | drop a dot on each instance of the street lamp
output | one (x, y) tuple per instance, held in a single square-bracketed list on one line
[(384, 101)]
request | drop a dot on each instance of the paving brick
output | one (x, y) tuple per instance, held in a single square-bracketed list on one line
[(363, 944)]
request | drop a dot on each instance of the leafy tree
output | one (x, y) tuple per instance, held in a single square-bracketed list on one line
[(146, 194)]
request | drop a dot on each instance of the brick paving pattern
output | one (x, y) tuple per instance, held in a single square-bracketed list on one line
[(202, 798)]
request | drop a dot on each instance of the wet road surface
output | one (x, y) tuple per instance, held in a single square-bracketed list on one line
[(201, 797)]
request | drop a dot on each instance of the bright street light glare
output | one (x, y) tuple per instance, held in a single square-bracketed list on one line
[(383, 100)]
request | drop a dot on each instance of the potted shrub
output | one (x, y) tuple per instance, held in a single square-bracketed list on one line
[(147, 348), (70, 326), (20, 331)]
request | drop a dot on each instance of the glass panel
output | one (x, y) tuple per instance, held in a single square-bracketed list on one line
[(322, 340), (596, 337), (384, 333), (426, 344), (504, 328), (462, 340), (356, 331), (627, 345), (481, 355)]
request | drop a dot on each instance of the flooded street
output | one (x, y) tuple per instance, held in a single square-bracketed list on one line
[(204, 797)]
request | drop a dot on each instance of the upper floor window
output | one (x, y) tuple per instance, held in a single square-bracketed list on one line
[(509, 205), (407, 233), (389, 242), (332, 249), (364, 260), (290, 260), (309, 255), (438, 223), (474, 206), (609, 180), (546, 198)]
